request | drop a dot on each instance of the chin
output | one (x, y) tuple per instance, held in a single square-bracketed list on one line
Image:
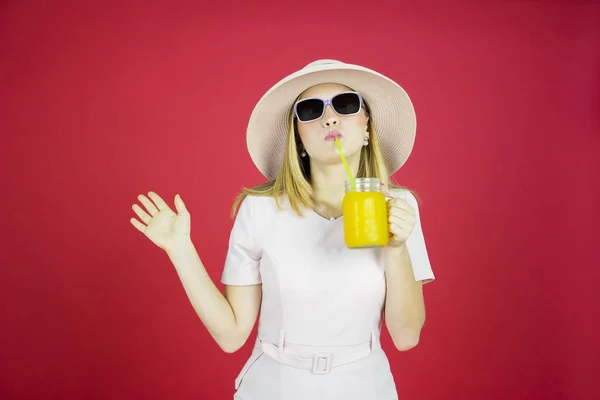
[(333, 158)]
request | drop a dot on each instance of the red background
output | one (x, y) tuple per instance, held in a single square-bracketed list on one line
[(102, 102)]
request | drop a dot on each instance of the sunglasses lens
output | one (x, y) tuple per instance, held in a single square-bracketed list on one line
[(346, 103), (309, 110)]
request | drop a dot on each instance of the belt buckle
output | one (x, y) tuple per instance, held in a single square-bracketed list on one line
[(318, 359)]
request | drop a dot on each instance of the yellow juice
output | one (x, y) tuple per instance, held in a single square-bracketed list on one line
[(365, 219)]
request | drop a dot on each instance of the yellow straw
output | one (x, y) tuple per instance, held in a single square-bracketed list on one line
[(339, 146)]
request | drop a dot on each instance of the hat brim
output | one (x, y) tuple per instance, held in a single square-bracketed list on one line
[(392, 112)]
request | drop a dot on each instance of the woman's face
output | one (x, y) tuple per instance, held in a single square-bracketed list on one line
[(318, 136)]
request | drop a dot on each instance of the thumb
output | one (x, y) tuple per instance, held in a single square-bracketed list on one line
[(179, 205)]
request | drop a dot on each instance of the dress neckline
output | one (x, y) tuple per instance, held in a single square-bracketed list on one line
[(320, 216)]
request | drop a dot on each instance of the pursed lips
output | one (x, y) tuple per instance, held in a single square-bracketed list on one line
[(332, 135)]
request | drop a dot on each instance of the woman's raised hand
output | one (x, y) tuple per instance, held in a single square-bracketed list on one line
[(160, 223)]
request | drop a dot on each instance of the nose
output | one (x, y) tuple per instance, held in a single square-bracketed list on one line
[(330, 118)]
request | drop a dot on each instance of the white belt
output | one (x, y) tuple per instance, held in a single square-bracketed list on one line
[(319, 363)]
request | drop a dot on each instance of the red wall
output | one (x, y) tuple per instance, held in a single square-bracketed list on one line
[(102, 102)]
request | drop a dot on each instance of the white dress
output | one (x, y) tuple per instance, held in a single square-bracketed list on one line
[(322, 303)]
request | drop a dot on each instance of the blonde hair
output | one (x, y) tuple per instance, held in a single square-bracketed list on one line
[(292, 181)]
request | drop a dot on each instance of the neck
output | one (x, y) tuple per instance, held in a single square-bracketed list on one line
[(328, 182)]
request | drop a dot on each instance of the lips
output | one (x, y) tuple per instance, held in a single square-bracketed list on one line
[(332, 135)]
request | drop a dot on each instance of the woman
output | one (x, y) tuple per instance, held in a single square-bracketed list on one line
[(321, 303)]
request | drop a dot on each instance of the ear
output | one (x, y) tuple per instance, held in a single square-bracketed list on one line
[(299, 144)]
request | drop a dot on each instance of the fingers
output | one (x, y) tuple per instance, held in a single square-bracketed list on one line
[(401, 205), (179, 205), (152, 210), (143, 215), (397, 230), (401, 223), (404, 224), (400, 219), (160, 203), (153, 204), (140, 227)]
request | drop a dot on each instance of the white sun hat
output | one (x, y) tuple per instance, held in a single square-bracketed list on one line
[(391, 110)]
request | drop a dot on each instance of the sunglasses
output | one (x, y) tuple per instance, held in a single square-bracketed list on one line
[(313, 108)]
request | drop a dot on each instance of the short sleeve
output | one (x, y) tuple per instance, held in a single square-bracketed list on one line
[(242, 263), (416, 242)]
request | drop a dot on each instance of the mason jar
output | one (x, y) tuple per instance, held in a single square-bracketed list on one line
[(365, 214)]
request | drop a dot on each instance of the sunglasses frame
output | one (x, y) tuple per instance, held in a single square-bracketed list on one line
[(327, 102)]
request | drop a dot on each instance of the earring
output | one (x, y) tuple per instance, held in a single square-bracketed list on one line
[(366, 141), (303, 154)]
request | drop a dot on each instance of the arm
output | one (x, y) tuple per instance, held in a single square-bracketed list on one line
[(404, 305), (229, 318), (407, 268)]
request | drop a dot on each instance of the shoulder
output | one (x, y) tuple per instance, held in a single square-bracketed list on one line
[(259, 208), (261, 204)]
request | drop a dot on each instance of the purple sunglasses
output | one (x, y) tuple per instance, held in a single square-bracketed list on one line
[(313, 108)]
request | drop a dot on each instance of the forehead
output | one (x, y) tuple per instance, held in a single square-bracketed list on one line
[(324, 90)]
